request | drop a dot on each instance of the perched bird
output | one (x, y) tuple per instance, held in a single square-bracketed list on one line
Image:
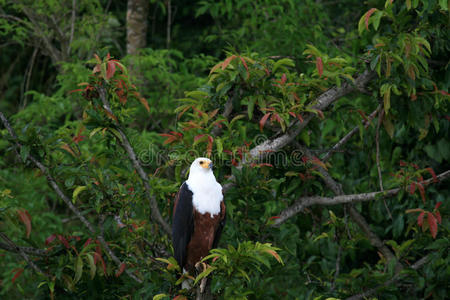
[(198, 215)]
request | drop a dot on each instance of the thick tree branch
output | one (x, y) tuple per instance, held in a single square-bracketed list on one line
[(66, 200), (155, 213), (304, 202), (323, 101), (356, 216)]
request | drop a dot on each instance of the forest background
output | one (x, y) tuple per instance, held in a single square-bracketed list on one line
[(328, 123)]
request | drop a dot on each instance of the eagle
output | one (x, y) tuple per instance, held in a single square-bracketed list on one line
[(198, 215)]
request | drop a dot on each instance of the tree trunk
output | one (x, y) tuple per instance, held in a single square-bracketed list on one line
[(137, 15)]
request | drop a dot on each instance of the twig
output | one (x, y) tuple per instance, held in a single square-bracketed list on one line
[(27, 76), (377, 143), (22, 253), (169, 23), (417, 265), (155, 213), (66, 200), (347, 137), (336, 273), (72, 25)]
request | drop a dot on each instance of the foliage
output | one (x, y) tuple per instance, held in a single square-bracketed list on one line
[(254, 76)]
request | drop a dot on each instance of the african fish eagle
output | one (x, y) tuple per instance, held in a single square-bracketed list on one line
[(198, 215)]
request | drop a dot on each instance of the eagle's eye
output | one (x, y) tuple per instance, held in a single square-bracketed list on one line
[(202, 162)]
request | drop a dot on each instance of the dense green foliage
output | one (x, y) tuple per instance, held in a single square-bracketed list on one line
[(290, 78)]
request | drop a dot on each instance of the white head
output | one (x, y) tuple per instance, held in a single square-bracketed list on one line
[(207, 192), (201, 166)]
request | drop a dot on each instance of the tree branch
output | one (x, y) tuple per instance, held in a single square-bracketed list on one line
[(304, 202), (322, 102), (258, 152), (155, 213), (21, 252), (26, 250), (66, 200)]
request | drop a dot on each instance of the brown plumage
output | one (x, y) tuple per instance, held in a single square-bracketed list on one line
[(198, 216)]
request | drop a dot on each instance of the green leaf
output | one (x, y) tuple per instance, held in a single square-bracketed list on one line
[(283, 62), (77, 191), (24, 151), (397, 227), (250, 107), (204, 274), (443, 4), (160, 296), (78, 269), (92, 266)]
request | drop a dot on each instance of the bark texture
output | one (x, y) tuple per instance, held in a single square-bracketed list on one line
[(137, 15)]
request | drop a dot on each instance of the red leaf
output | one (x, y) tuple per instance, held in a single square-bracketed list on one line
[(319, 66), (277, 117), (403, 164), (412, 188), (420, 219), (210, 145), (299, 116), (77, 90), (363, 115), (110, 115), (19, 272), (64, 241), (50, 239), (97, 58), (145, 103), (283, 79), (96, 69), (98, 257), (436, 207), (430, 170), (320, 113), (198, 137), (121, 269), (292, 114), (438, 217), (110, 69), (368, 14), (180, 297), (227, 61), (245, 66), (116, 62), (263, 121), (444, 93), (88, 241), (422, 191), (432, 223), (26, 219)]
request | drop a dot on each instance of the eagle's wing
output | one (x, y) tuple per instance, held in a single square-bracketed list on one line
[(183, 223), (221, 224)]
